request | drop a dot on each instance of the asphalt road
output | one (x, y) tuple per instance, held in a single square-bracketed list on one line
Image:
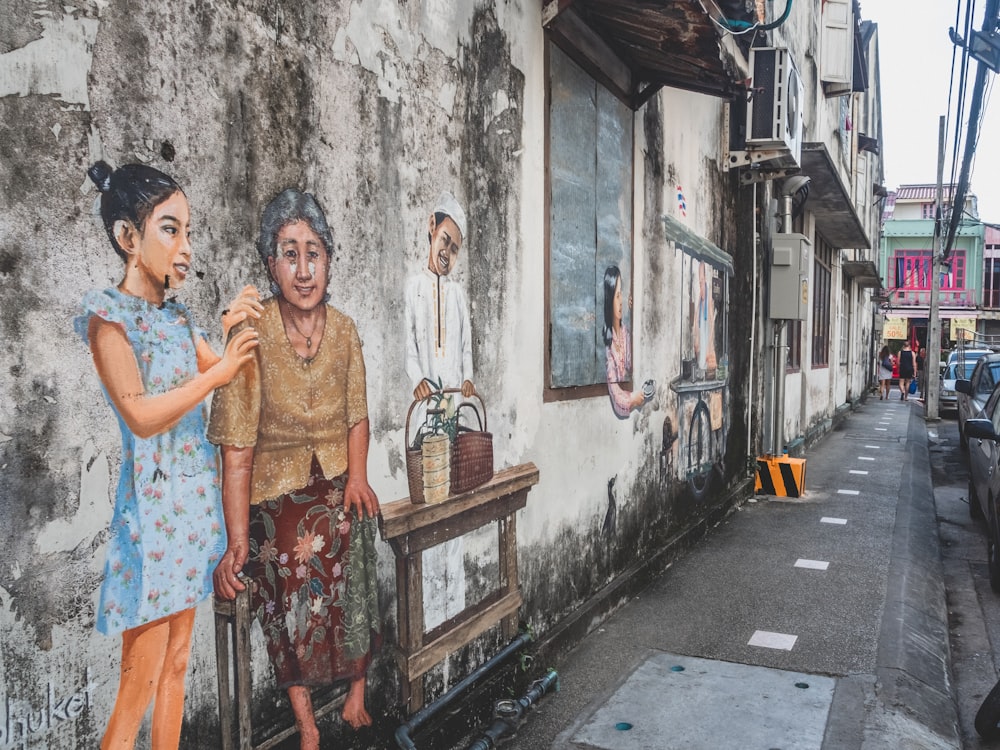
[(973, 607)]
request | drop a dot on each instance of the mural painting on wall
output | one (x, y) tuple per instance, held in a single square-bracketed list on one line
[(156, 368), (294, 433), (702, 385), (618, 349), (438, 355)]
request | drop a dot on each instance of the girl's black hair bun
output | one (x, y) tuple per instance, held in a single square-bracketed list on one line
[(100, 173)]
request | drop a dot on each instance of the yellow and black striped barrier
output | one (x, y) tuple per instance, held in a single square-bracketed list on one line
[(781, 476)]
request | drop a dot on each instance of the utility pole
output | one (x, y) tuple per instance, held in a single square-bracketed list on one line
[(933, 359)]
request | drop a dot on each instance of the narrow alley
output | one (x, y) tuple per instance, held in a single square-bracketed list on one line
[(807, 623)]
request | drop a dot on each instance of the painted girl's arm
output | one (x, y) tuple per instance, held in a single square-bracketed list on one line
[(621, 400), (245, 305), (237, 466), (207, 358), (358, 493), (148, 415)]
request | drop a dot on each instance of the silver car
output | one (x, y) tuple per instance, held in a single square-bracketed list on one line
[(984, 480), (947, 398), (974, 392)]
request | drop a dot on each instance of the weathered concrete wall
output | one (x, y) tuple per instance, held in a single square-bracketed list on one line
[(375, 107)]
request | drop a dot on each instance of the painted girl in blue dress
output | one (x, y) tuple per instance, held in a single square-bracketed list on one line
[(156, 369)]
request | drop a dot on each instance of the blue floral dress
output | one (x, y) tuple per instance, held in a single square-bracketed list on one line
[(167, 533)]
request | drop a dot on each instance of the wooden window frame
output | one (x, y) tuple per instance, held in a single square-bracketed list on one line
[(822, 283), (552, 393)]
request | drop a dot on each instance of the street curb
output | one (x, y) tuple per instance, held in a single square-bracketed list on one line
[(913, 663)]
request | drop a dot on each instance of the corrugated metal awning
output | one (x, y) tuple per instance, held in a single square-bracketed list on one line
[(696, 245), (637, 47)]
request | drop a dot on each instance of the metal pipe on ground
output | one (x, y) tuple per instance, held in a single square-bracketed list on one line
[(510, 714), (404, 731)]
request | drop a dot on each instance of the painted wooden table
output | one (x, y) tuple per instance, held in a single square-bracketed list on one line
[(410, 529)]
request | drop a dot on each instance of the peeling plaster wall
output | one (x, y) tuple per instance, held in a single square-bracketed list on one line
[(375, 107)]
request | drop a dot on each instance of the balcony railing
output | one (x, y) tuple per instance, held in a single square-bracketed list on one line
[(949, 297)]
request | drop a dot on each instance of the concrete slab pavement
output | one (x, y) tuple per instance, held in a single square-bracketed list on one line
[(872, 620), (773, 708)]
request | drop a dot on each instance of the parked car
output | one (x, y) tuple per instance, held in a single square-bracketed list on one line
[(983, 434), (972, 394), (947, 396), (967, 355)]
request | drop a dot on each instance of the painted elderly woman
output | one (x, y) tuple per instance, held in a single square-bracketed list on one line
[(300, 515)]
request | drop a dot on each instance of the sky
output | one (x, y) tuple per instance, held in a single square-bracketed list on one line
[(916, 60)]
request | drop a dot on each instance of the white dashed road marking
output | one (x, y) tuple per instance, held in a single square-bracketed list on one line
[(812, 564), (767, 639)]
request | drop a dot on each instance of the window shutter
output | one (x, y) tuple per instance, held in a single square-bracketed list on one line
[(837, 70)]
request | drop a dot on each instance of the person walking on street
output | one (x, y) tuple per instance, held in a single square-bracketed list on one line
[(907, 369), (922, 373), (884, 373)]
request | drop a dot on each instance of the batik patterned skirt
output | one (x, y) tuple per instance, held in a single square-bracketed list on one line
[(314, 585)]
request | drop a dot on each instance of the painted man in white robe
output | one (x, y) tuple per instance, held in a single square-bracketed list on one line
[(439, 348)]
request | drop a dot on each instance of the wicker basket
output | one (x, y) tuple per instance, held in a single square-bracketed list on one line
[(414, 463), (471, 455)]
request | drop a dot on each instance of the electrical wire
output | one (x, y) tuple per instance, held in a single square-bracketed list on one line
[(740, 27), (959, 117), (982, 118), (729, 30), (991, 17), (960, 108)]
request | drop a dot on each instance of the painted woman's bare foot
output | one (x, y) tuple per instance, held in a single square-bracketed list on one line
[(354, 712)]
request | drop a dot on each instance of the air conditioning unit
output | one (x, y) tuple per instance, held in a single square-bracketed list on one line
[(774, 113)]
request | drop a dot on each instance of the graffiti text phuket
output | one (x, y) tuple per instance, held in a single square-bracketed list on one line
[(22, 721)]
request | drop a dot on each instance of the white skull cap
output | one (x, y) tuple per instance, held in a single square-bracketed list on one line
[(446, 204)]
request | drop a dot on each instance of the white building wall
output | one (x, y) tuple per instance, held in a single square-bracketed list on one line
[(375, 108)]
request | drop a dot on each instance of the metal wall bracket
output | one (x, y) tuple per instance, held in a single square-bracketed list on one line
[(753, 162)]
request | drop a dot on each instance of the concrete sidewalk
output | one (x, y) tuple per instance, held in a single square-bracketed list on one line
[(818, 622)]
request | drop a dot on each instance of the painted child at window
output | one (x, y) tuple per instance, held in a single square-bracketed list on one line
[(704, 334), (619, 349), (439, 348), (156, 368)]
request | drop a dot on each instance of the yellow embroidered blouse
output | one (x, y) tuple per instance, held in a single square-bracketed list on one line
[(289, 408)]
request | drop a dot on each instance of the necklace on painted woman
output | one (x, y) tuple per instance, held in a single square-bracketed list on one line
[(309, 342)]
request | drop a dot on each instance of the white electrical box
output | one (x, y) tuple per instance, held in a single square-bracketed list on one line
[(790, 263)]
